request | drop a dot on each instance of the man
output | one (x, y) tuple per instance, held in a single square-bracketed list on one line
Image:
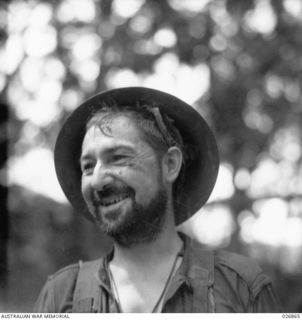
[(138, 162)]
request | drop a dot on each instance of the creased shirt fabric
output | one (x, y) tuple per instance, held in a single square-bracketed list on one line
[(206, 281)]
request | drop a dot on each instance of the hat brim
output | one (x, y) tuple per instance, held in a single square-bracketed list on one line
[(201, 172)]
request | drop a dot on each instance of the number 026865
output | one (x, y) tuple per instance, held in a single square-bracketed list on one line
[(291, 316)]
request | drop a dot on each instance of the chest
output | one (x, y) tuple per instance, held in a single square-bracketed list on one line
[(144, 297), (137, 294)]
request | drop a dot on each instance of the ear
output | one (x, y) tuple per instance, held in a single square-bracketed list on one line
[(172, 162)]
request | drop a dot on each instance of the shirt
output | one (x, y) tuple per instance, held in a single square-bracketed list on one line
[(206, 281)]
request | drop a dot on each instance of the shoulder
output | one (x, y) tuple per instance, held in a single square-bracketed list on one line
[(66, 278), (245, 267), (238, 284), (57, 293), (237, 268), (70, 272), (230, 263), (61, 284), (65, 274)]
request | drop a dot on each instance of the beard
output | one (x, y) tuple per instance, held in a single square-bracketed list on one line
[(137, 224)]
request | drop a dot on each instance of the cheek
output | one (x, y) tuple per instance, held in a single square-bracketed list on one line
[(85, 188), (146, 184)]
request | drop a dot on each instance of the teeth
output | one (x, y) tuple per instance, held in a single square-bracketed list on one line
[(116, 200)]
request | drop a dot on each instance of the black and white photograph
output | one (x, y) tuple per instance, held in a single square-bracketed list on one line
[(151, 156)]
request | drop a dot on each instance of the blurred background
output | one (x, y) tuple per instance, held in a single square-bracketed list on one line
[(239, 63)]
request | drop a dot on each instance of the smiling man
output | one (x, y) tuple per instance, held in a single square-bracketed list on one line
[(116, 178), (138, 162)]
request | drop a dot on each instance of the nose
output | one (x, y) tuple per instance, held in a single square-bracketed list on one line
[(101, 177)]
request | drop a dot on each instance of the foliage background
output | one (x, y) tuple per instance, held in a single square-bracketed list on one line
[(237, 62)]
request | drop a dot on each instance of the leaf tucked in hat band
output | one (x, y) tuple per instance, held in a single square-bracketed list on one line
[(162, 127), (161, 120)]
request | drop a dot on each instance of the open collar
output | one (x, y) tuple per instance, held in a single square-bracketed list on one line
[(196, 272)]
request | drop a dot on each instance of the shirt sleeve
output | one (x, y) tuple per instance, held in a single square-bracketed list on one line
[(265, 301)]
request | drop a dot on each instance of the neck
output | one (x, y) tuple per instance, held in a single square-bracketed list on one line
[(145, 255)]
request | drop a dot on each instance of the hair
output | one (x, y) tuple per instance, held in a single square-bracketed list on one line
[(158, 130)]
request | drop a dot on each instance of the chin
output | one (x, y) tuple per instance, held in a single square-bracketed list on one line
[(132, 223), (113, 222)]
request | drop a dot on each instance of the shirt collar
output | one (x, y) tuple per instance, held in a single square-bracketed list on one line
[(198, 263), (103, 275), (197, 267)]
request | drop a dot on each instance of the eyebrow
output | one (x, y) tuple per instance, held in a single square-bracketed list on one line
[(108, 150)]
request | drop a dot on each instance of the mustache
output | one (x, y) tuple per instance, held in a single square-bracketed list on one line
[(110, 190)]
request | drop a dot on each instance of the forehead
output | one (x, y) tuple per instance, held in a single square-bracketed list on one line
[(117, 128)]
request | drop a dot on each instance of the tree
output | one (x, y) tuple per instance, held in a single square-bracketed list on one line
[(237, 61)]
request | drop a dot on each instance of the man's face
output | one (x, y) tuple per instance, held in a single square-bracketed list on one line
[(122, 182)]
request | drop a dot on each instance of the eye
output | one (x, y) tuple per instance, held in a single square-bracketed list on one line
[(118, 157), (87, 167)]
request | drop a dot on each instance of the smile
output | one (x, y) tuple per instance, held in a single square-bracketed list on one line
[(110, 201)]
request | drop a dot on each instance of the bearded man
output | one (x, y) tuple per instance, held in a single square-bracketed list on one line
[(138, 162)]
